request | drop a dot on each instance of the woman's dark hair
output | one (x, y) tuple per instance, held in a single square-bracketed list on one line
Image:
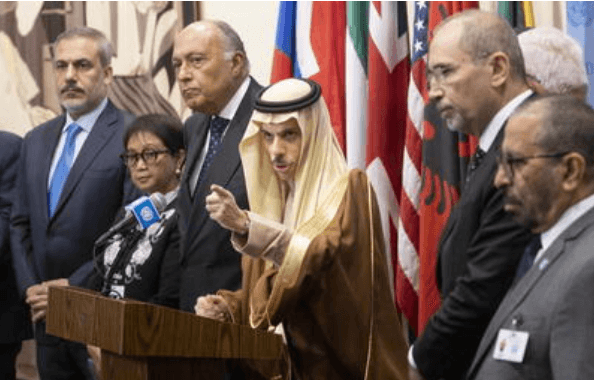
[(165, 127)]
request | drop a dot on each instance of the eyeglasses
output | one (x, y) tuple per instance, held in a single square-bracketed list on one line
[(148, 156), (508, 163)]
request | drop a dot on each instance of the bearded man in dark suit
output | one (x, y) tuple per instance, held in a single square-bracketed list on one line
[(476, 76), (70, 185)]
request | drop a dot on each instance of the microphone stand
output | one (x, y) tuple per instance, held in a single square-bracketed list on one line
[(123, 256)]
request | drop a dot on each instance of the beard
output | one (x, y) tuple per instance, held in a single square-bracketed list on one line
[(456, 123)]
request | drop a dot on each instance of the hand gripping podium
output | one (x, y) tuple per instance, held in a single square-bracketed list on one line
[(145, 341)]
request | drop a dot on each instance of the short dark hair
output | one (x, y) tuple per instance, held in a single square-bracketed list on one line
[(105, 47), (167, 128), (485, 33), (567, 124)]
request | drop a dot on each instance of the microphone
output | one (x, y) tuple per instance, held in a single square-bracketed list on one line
[(157, 200)]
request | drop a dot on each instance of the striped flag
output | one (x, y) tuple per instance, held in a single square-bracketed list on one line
[(357, 84), (310, 43), (519, 13), (388, 70), (377, 81), (433, 166)]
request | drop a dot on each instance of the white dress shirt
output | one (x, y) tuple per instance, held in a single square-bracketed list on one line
[(86, 122)]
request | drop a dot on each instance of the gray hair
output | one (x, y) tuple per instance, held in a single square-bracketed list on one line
[(486, 33), (567, 124), (554, 59), (232, 41), (105, 48)]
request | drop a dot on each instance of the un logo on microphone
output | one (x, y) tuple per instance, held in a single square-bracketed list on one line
[(145, 212)]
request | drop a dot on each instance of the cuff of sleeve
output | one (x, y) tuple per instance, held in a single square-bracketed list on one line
[(256, 242), (411, 359)]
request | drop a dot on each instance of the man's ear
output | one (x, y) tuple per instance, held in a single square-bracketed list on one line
[(108, 73), (500, 68), (238, 62), (574, 167)]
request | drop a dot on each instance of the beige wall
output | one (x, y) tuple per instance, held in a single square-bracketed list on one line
[(255, 21)]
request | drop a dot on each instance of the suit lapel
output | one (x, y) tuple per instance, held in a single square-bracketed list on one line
[(49, 142), (227, 160), (197, 131), (520, 291), (472, 188), (102, 131)]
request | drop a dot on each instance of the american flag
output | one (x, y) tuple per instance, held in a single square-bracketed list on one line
[(407, 292), (434, 161)]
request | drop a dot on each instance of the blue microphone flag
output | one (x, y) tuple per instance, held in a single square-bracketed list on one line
[(145, 211)]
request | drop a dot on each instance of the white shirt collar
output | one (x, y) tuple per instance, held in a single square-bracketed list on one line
[(569, 216), (87, 120), (490, 133), (233, 104)]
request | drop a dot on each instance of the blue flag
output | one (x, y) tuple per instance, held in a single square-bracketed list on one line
[(580, 15), (145, 211)]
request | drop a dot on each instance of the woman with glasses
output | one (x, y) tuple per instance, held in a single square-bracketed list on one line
[(144, 264)]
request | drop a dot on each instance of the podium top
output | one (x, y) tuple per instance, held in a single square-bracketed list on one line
[(135, 328)]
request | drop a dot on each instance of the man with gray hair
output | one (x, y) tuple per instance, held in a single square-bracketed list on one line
[(543, 327), (213, 74), (476, 78), (554, 62), (70, 185)]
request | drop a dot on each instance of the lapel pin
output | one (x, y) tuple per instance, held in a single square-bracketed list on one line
[(543, 264)]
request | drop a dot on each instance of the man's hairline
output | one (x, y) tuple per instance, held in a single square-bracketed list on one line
[(90, 38)]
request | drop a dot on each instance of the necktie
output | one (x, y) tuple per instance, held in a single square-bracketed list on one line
[(475, 161), (62, 168), (528, 257), (217, 127)]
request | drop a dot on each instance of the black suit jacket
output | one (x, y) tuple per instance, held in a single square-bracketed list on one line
[(479, 251), (208, 260), (46, 248), (14, 316)]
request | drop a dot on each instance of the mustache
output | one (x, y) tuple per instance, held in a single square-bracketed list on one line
[(279, 161), (71, 87), (511, 200)]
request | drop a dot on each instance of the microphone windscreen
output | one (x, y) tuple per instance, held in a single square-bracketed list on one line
[(159, 201)]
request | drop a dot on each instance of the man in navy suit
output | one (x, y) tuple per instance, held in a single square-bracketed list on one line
[(13, 313), (70, 185), (213, 73)]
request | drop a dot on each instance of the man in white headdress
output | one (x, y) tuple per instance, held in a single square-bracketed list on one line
[(317, 227)]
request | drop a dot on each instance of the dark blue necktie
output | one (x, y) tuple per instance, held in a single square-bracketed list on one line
[(62, 168), (528, 257), (217, 127)]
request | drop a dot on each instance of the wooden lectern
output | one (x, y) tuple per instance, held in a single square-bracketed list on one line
[(145, 341)]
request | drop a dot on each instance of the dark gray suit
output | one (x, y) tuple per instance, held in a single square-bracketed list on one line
[(208, 260), (554, 303)]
